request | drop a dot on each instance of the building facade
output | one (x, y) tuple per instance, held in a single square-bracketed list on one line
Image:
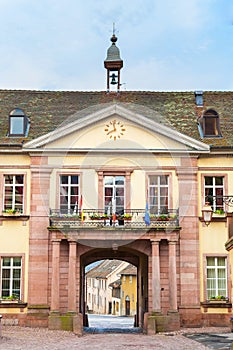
[(128, 283), (99, 281), (86, 176)]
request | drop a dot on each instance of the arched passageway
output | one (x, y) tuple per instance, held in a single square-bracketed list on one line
[(124, 254)]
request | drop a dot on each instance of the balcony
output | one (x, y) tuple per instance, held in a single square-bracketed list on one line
[(96, 218), (220, 202)]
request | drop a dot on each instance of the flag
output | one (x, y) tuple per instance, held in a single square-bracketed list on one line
[(114, 208), (81, 208), (147, 215)]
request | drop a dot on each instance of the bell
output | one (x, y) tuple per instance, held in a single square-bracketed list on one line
[(113, 81)]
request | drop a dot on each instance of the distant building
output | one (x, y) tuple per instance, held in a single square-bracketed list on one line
[(98, 294), (129, 291)]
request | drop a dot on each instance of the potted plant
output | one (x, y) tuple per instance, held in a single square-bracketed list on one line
[(9, 299), (219, 212), (153, 217), (105, 216), (172, 217), (163, 217), (11, 212), (126, 217), (218, 299), (95, 216)]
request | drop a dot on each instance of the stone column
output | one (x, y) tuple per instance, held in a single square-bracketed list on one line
[(156, 304), (189, 239), (38, 240), (72, 277), (172, 277), (55, 285)]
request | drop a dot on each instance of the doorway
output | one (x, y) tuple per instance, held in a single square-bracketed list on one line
[(127, 306), (95, 291)]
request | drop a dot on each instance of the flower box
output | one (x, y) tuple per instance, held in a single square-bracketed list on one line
[(11, 213)]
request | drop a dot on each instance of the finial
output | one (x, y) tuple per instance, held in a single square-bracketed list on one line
[(113, 38)]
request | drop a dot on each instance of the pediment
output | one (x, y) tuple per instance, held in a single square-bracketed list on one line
[(116, 128)]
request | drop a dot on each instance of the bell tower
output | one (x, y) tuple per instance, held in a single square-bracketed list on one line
[(113, 64)]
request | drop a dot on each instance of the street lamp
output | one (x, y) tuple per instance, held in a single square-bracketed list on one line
[(207, 213)]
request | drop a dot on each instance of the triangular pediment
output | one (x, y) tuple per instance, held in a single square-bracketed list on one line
[(116, 128)]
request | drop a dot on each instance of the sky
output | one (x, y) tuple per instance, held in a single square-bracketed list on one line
[(166, 45)]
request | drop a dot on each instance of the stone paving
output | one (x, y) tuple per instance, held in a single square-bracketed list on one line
[(213, 340), (19, 338)]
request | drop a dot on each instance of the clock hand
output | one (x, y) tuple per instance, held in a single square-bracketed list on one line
[(111, 131)]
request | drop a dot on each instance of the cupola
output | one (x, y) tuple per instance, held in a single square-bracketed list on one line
[(113, 64)]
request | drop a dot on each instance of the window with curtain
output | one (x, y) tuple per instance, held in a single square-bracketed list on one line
[(14, 192), (114, 194), (214, 190), (11, 271), (69, 194), (216, 276), (158, 194)]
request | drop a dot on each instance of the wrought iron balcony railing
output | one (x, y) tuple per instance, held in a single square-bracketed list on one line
[(220, 202), (133, 218)]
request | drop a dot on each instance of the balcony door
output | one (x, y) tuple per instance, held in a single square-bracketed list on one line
[(114, 194), (69, 194), (158, 193)]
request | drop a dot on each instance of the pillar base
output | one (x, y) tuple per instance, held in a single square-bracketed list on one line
[(71, 321), (163, 323), (156, 312), (37, 315)]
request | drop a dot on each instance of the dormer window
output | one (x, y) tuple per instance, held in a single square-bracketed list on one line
[(209, 124), (18, 123), (199, 98)]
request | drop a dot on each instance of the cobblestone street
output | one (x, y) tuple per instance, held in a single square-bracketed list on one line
[(19, 338)]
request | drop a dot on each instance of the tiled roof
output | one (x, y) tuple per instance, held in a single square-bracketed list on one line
[(129, 270), (48, 109), (103, 269)]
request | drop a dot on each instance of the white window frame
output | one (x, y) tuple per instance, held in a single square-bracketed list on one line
[(69, 186), (11, 267), (14, 205), (216, 268), (214, 188), (158, 188), (114, 187)]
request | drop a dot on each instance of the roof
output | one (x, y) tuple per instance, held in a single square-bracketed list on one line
[(49, 109), (116, 284), (129, 270), (103, 269)]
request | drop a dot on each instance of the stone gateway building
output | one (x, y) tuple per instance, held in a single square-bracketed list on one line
[(87, 176)]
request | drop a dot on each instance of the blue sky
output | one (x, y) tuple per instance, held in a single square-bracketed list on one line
[(166, 45)]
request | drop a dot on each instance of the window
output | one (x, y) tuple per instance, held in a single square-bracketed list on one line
[(209, 124), (14, 192), (214, 190), (199, 98), (216, 276), (18, 123), (114, 194), (11, 270), (69, 194), (158, 194)]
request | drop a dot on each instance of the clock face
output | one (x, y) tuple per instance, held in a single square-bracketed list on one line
[(114, 130)]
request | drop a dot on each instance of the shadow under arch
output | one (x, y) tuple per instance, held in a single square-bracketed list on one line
[(135, 254)]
